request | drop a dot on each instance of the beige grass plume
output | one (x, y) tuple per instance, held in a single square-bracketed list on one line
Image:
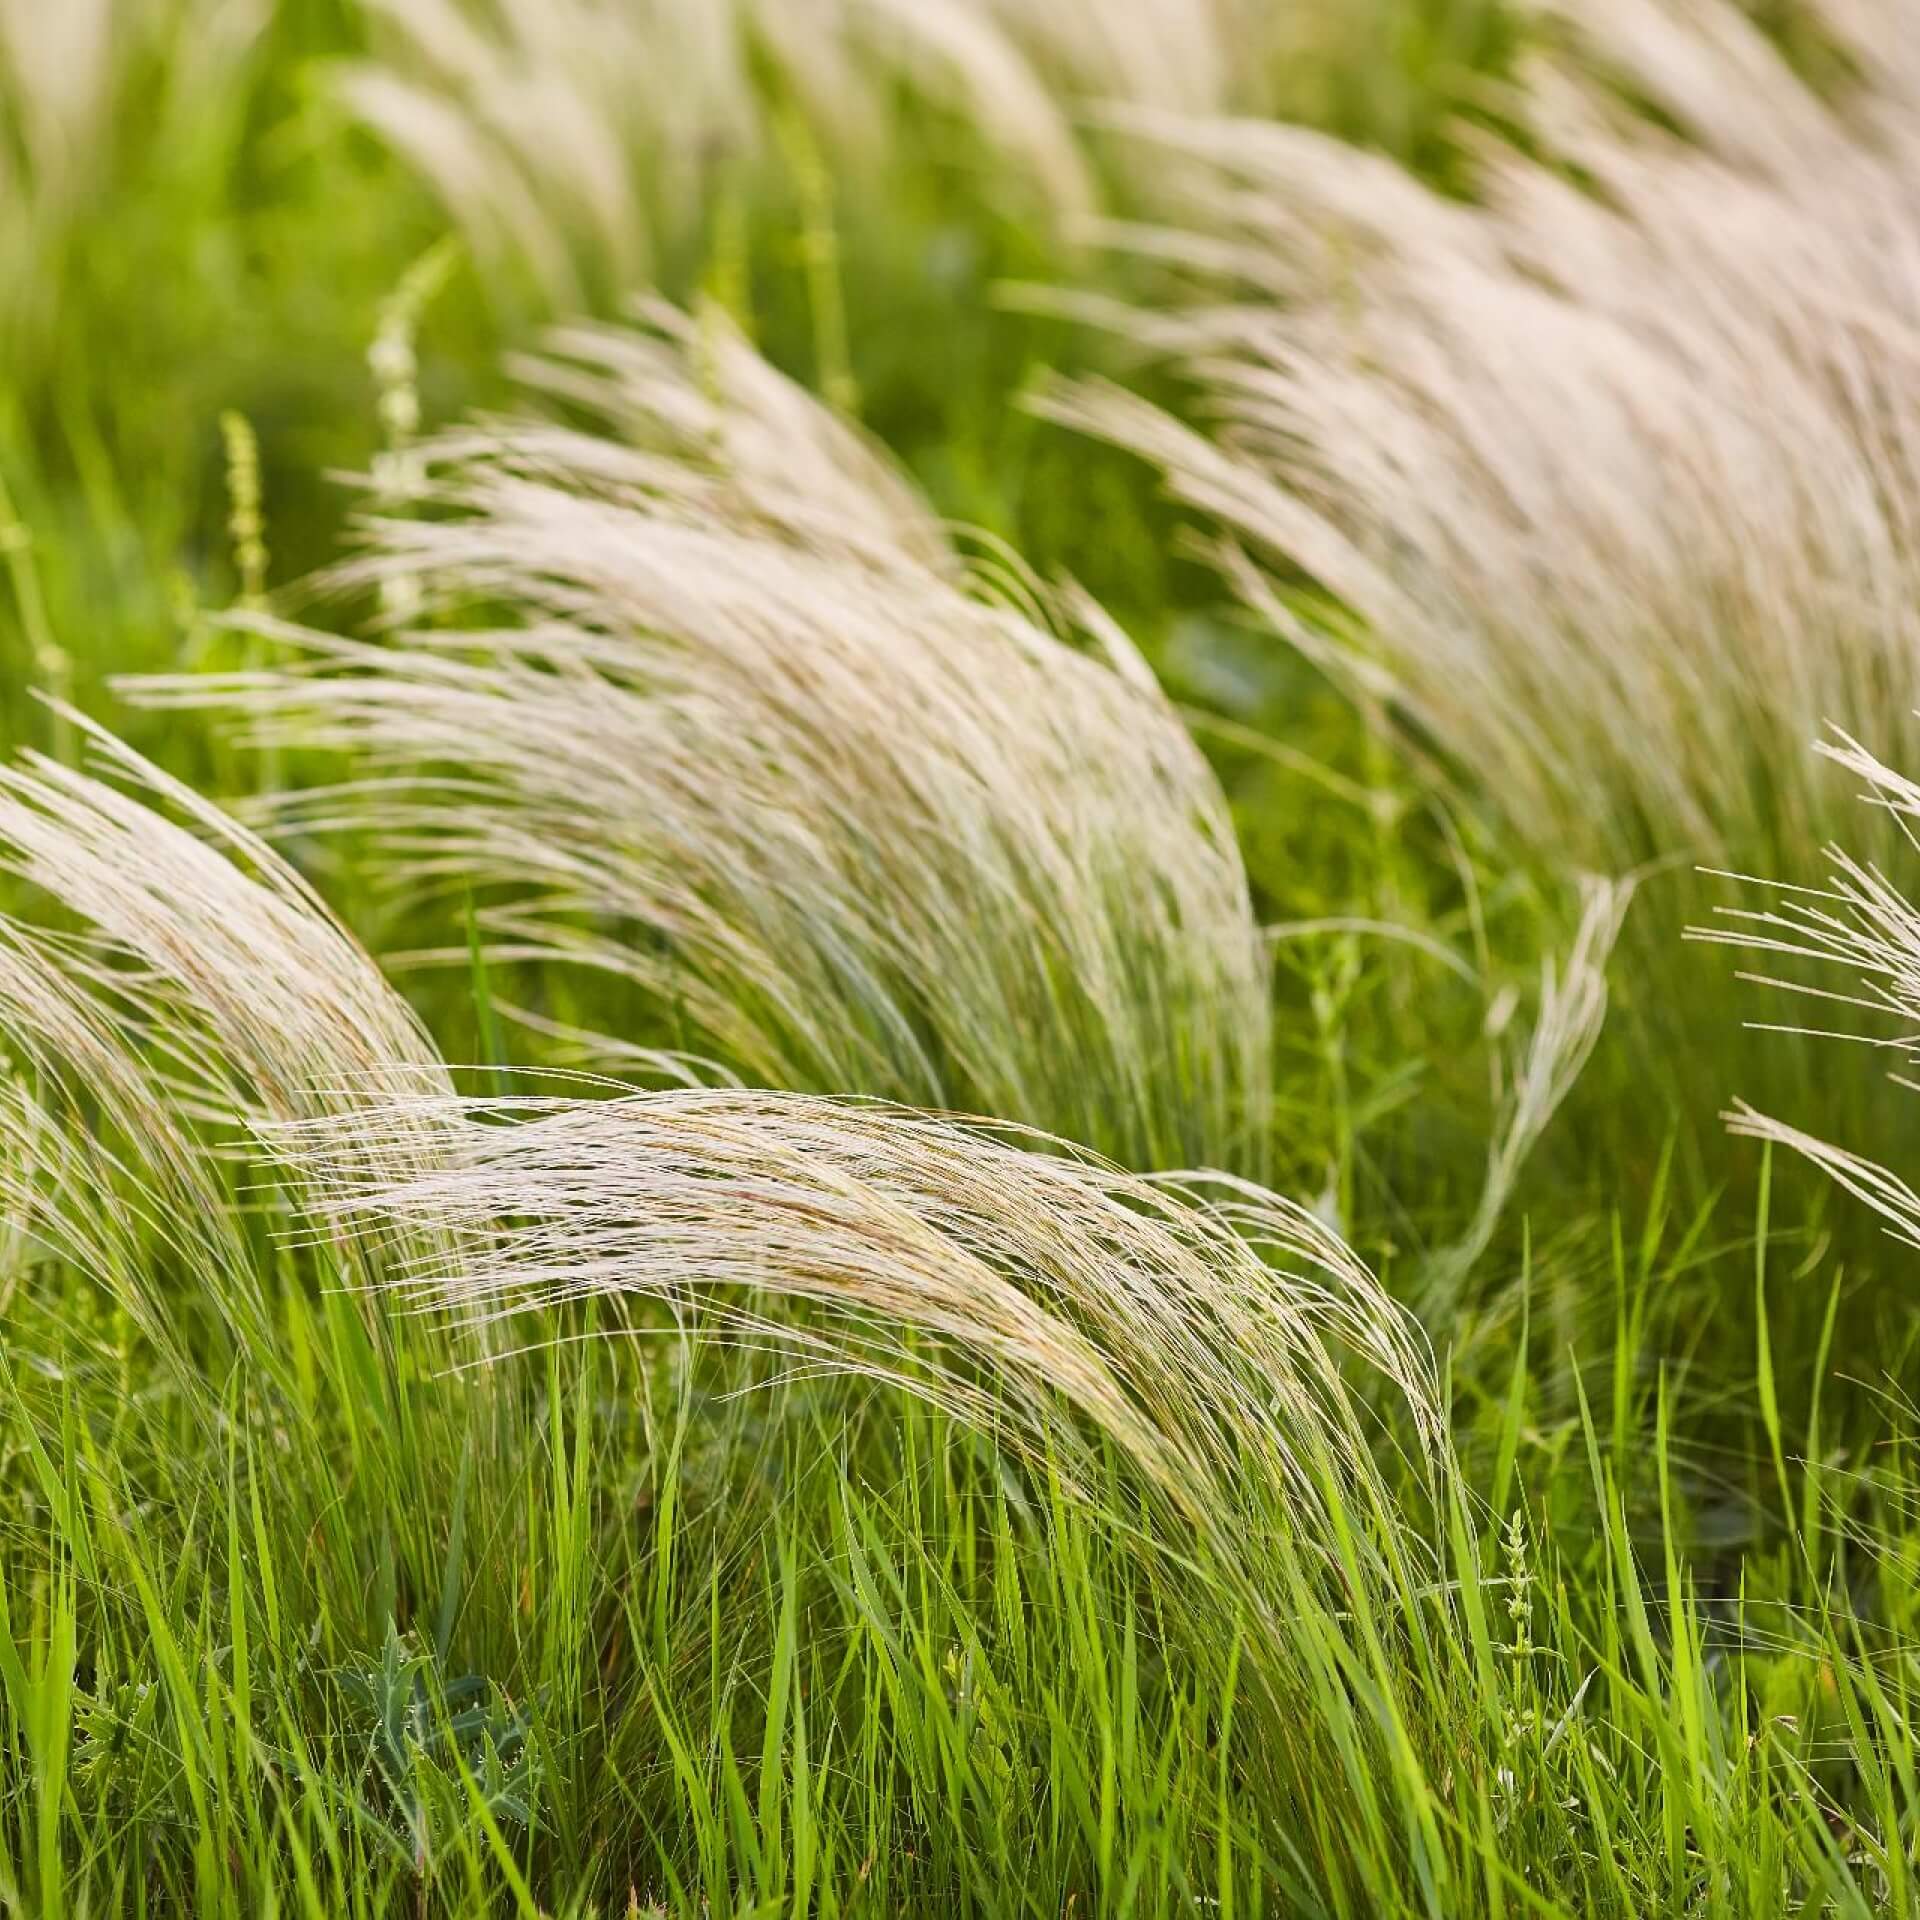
[(1238, 1359), (1611, 489), (750, 743), (205, 994), (567, 133)]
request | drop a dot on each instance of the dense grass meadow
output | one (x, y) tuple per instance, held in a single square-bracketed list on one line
[(959, 957)]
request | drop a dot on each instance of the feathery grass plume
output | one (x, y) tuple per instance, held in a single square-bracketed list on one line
[(1608, 483), (207, 994), (569, 139), (1197, 1326), (739, 440), (81, 83), (1865, 925), (752, 745), (571, 136), (1145, 1302)]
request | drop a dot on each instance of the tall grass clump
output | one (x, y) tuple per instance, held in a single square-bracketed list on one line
[(578, 142), (197, 992), (727, 721), (233, 1485), (1601, 484), (1595, 490), (181, 1345), (1197, 1323), (1198, 1366)]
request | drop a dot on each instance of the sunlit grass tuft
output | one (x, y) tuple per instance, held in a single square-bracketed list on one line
[(745, 735)]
